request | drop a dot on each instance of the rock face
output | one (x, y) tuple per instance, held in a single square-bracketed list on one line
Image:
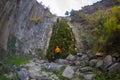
[(29, 22)]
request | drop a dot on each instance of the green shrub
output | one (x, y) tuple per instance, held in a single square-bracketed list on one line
[(48, 15), (11, 45), (35, 19), (106, 30), (63, 37)]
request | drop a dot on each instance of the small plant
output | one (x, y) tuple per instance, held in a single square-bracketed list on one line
[(35, 19), (11, 45), (14, 60), (106, 76), (48, 15), (45, 70)]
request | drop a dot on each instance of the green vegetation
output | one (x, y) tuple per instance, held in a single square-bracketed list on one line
[(106, 76), (2, 77), (48, 15), (80, 17), (63, 37), (11, 45), (35, 19), (58, 74), (14, 60), (107, 30), (7, 65), (103, 29)]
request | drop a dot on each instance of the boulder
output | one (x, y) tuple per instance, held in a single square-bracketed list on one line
[(93, 62), (68, 72), (85, 57), (114, 68), (22, 75), (61, 61), (34, 74), (70, 57), (55, 67), (89, 76), (75, 68), (44, 78), (41, 61), (99, 64), (91, 55), (107, 61), (85, 69), (10, 75), (77, 63), (84, 63)]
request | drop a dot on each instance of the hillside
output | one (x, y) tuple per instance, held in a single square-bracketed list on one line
[(37, 45), (92, 21)]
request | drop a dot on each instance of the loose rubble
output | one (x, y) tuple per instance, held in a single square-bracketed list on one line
[(73, 67)]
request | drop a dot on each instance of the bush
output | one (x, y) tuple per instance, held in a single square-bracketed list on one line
[(48, 15), (35, 19), (106, 29), (63, 37)]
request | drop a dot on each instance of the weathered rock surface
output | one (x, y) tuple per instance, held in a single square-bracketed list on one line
[(28, 22), (114, 68), (23, 75), (43, 70), (107, 61), (68, 72), (70, 57)]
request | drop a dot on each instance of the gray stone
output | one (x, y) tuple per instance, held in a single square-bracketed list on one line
[(84, 63), (68, 72), (91, 55), (93, 62), (75, 68), (22, 75), (85, 69), (32, 79), (77, 63), (55, 67), (34, 74), (107, 61), (31, 63), (44, 78), (70, 57), (114, 68), (61, 61), (10, 75), (89, 76), (99, 64), (85, 57)]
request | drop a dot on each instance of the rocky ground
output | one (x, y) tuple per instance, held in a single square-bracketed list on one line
[(74, 67)]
